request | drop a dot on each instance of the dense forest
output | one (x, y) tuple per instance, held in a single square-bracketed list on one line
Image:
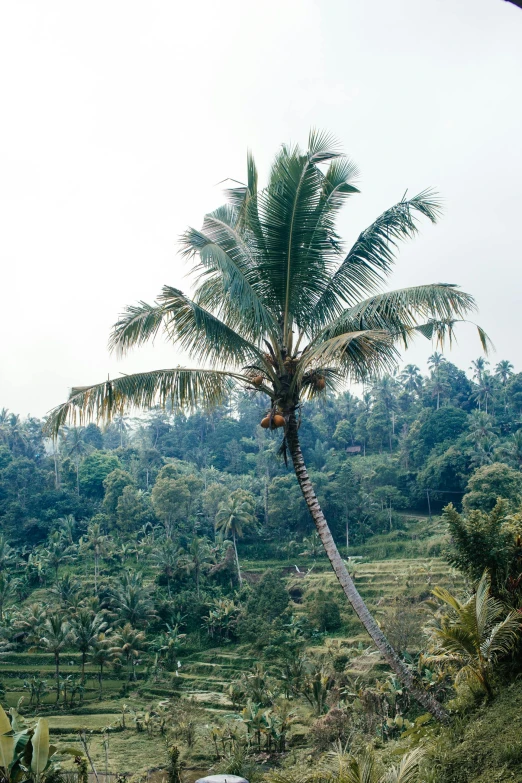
[(408, 442)]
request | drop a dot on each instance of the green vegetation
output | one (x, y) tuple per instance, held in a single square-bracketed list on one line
[(165, 599)]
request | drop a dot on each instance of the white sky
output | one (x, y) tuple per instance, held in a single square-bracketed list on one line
[(119, 118)]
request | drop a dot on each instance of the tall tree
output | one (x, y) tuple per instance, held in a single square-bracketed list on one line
[(56, 635), (87, 627), (128, 643), (281, 308), (101, 655), (234, 515)]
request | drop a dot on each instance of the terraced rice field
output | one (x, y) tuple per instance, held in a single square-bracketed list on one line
[(205, 676)]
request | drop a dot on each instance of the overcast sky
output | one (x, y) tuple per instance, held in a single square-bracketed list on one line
[(118, 118)]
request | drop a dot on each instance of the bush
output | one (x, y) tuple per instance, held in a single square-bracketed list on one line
[(323, 612), (333, 727)]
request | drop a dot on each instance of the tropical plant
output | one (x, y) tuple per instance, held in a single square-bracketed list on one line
[(96, 543), (341, 767), (37, 688), (7, 554), (168, 643), (504, 371), (31, 621), (234, 515), (478, 368), (222, 618), (280, 308), (168, 559), (66, 590), (87, 627), (75, 447), (470, 637), (6, 591), (101, 655), (197, 556), (56, 634), (131, 601), (128, 644), (25, 751), (56, 554), (411, 378)]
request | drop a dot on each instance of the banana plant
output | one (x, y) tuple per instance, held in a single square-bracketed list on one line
[(26, 753)]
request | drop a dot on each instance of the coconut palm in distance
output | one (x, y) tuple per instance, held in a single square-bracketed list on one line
[(280, 307), (233, 516)]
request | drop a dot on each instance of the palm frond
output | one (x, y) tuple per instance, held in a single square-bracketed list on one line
[(227, 275), (200, 333), (372, 256), (443, 332), (403, 312), (231, 291), (503, 636), (185, 323), (136, 325), (407, 770), (298, 246), (354, 355), (241, 197), (182, 388), (446, 597)]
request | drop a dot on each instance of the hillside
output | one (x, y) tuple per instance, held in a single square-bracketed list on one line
[(201, 686)]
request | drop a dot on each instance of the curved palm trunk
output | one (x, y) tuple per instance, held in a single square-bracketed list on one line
[(404, 674)]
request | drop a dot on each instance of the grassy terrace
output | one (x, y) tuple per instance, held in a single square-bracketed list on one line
[(206, 674)]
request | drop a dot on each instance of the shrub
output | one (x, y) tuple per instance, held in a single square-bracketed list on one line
[(323, 612), (333, 727)]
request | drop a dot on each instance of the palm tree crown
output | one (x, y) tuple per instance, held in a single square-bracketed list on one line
[(279, 305)]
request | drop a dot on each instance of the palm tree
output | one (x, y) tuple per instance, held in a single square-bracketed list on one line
[(472, 636), (484, 390), (128, 643), (56, 635), (198, 554), (66, 527), (87, 628), (56, 554), (411, 378), (481, 427), (435, 361), (503, 371), (101, 655), (6, 591), (438, 385), (478, 366), (66, 590), (31, 621), (167, 558), (512, 448), (280, 307), (95, 542), (76, 447), (132, 601), (234, 515)]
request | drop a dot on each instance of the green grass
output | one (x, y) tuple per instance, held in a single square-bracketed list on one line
[(485, 746)]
